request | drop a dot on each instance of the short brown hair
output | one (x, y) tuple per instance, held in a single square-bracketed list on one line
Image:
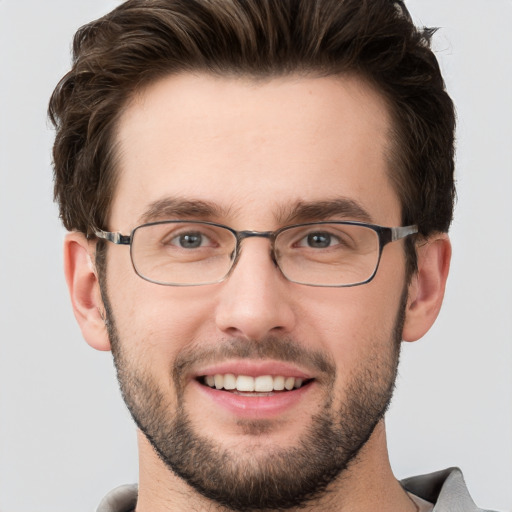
[(143, 40)]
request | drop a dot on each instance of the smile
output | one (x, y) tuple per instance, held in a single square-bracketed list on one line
[(253, 385)]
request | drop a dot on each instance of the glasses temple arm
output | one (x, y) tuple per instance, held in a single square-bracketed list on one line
[(403, 231), (114, 237)]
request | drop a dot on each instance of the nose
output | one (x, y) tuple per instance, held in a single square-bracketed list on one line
[(255, 299)]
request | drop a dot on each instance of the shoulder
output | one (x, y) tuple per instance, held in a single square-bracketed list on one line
[(446, 489), (120, 499)]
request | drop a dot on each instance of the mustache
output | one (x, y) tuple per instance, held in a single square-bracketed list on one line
[(270, 347)]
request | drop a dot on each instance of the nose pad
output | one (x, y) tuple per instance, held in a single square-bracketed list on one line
[(271, 255), (255, 298)]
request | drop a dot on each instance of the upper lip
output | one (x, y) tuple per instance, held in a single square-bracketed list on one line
[(254, 368)]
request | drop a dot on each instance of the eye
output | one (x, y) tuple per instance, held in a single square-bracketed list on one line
[(190, 240), (319, 240)]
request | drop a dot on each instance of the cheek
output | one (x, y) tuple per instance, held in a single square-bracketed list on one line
[(155, 322), (353, 324)]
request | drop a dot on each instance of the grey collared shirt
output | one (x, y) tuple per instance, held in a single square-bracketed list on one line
[(446, 489)]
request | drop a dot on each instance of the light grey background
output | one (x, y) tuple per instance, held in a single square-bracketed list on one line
[(65, 437)]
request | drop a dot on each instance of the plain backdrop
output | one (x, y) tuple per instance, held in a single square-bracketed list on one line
[(65, 436)]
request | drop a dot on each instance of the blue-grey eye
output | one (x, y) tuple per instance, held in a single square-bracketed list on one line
[(319, 240), (190, 240)]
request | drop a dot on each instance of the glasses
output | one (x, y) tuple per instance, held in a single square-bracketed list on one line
[(190, 253)]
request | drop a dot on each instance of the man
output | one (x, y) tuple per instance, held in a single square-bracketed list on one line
[(283, 174)]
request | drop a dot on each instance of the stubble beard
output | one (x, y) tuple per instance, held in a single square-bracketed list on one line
[(273, 478)]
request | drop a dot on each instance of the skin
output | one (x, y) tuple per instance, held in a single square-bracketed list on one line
[(256, 149)]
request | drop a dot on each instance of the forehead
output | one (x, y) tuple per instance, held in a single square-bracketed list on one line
[(253, 149)]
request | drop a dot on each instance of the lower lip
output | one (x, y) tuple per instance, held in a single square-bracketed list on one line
[(256, 406)]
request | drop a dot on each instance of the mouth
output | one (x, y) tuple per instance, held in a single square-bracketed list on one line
[(254, 389), (246, 385)]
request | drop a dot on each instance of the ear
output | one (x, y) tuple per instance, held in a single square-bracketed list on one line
[(84, 289), (426, 290)]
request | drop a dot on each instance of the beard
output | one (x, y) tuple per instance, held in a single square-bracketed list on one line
[(261, 476)]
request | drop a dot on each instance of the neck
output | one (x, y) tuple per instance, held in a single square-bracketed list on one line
[(367, 484)]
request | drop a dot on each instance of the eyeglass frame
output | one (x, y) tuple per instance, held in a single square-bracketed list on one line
[(385, 235)]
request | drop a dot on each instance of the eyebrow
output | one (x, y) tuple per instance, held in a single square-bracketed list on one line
[(313, 211), (174, 207), (302, 211)]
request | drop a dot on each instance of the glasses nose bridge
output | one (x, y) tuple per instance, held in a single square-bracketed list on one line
[(242, 235)]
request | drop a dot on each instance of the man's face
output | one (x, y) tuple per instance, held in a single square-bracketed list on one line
[(255, 156)]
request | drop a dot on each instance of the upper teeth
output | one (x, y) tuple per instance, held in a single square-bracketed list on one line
[(262, 383)]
